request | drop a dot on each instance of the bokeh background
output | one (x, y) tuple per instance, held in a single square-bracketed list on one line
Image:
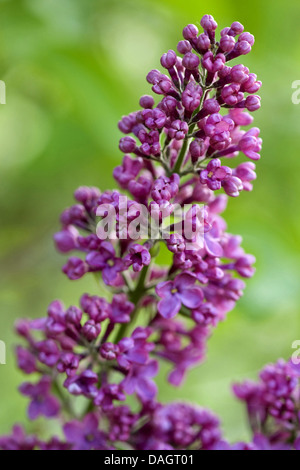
[(72, 68)]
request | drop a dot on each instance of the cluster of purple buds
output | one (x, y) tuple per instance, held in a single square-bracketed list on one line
[(273, 406), (203, 107), (88, 359)]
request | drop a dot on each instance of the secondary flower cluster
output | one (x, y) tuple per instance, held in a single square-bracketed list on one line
[(273, 406), (87, 360)]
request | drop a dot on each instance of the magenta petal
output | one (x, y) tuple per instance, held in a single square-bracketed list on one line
[(192, 297), (151, 369), (223, 172), (90, 423), (51, 407), (139, 356), (176, 377), (164, 288), (169, 306), (213, 247), (184, 280), (73, 431), (109, 275), (146, 389), (34, 410), (129, 385)]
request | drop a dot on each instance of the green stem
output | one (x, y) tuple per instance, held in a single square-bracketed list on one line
[(134, 296), (183, 150), (181, 156), (64, 400)]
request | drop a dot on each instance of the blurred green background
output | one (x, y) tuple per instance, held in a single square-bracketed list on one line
[(72, 68)]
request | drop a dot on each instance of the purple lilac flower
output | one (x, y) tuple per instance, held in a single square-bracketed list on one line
[(18, 440), (138, 257), (42, 402), (215, 174), (181, 291), (85, 435)]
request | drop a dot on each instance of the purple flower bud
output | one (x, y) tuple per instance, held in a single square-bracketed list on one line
[(211, 106), (138, 257), (191, 96), (191, 61), (162, 85), (250, 144), (109, 351), (168, 105), (178, 130), (83, 384), (246, 173), (225, 31), (176, 243), (66, 239), (244, 266), (97, 308), (247, 37), (213, 64), (127, 145), (129, 169), (91, 330), (147, 102), (184, 47), (239, 73), (75, 268), (252, 85), (242, 48), (74, 315), (208, 23), (168, 60), (252, 103), (197, 149), (202, 43), (121, 309), (227, 43), (153, 76), (48, 352), (107, 394), (232, 186), (68, 363), (127, 123), (240, 117), (154, 118), (74, 215), (235, 29), (190, 31), (140, 188), (26, 360), (85, 194), (164, 189), (150, 142), (22, 328), (231, 94)]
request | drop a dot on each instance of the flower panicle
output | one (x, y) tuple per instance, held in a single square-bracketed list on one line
[(178, 151)]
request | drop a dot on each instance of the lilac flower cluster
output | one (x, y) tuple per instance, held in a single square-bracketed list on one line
[(273, 403), (273, 406), (89, 359)]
